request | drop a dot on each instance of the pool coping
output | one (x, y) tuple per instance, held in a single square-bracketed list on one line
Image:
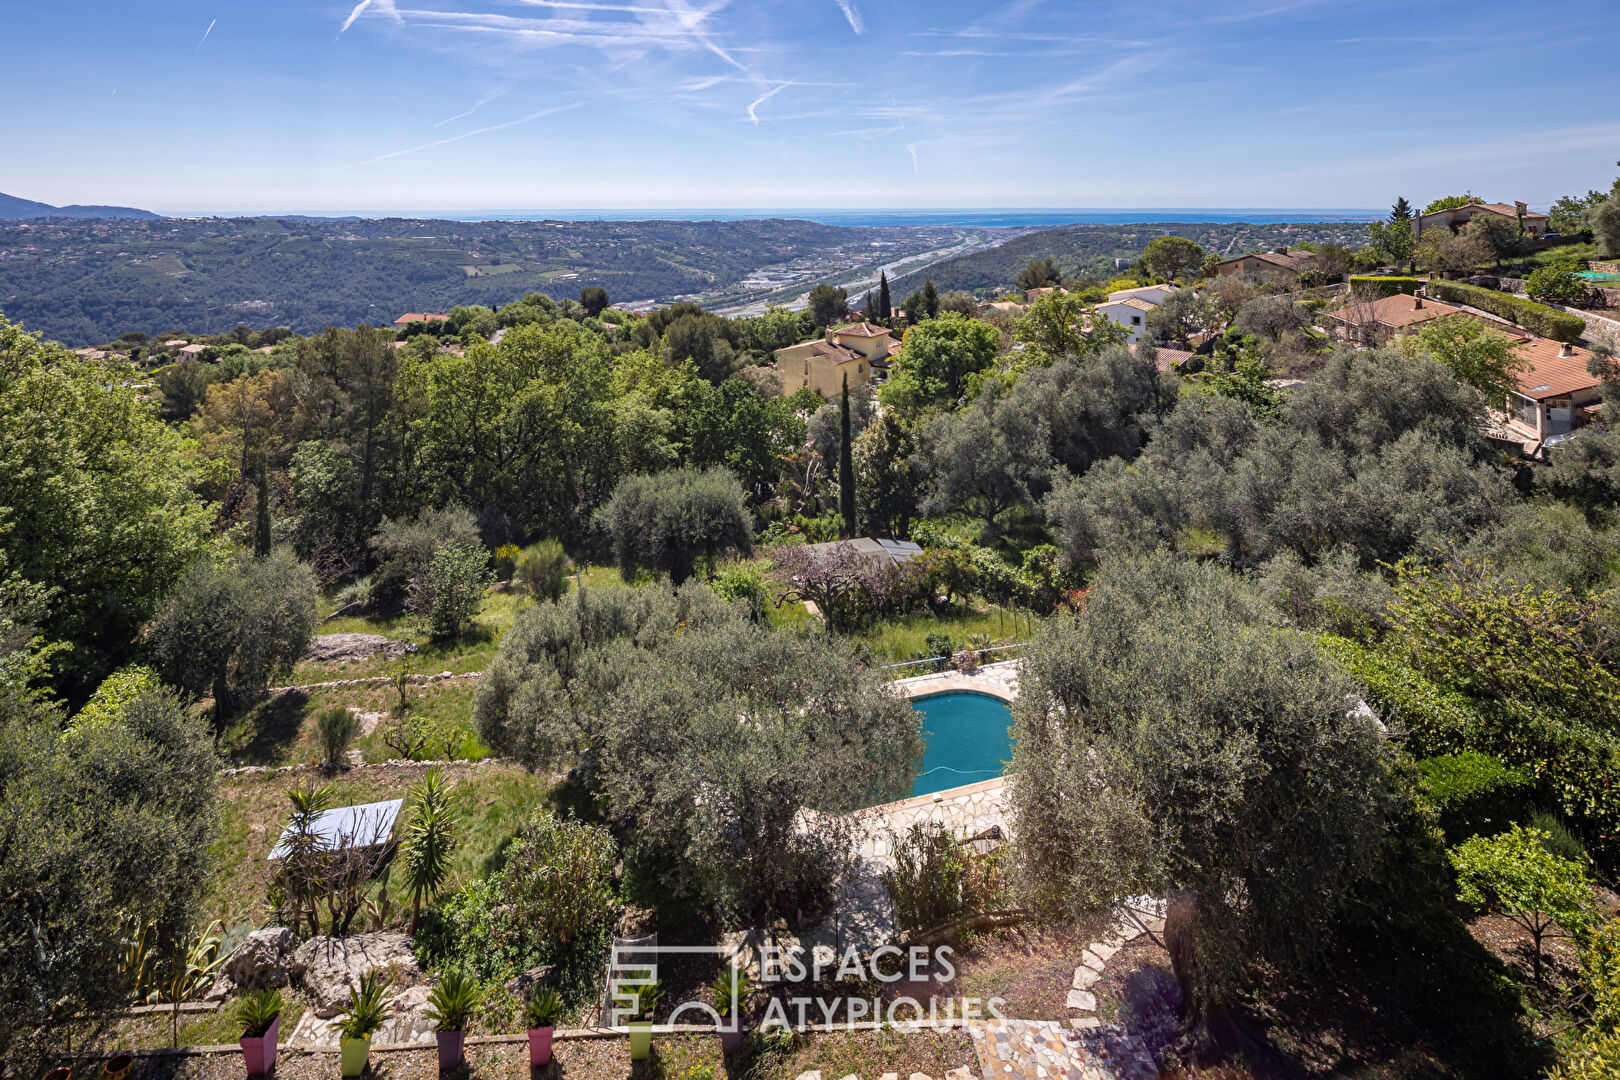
[(999, 681)]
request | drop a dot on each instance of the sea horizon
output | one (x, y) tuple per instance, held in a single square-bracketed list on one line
[(988, 217)]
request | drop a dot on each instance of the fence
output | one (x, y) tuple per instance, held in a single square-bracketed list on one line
[(941, 663)]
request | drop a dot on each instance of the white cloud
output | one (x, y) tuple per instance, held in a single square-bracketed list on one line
[(206, 32), (766, 96), (854, 16), (479, 104), (470, 134)]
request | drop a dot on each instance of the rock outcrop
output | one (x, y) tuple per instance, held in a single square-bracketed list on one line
[(331, 964)]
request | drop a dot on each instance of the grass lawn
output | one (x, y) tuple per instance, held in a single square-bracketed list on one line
[(892, 641), (493, 801), (282, 730)]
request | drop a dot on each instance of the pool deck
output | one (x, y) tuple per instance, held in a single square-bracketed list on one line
[(993, 680)]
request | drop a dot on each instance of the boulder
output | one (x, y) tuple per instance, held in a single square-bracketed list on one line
[(331, 964), (264, 960), (346, 648)]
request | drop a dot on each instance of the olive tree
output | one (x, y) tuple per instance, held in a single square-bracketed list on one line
[(231, 624), (667, 521), (107, 828), (1172, 739)]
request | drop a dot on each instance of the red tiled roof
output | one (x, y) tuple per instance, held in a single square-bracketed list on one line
[(414, 317), (1551, 374), (863, 329)]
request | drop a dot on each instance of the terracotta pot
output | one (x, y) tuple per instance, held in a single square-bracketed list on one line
[(118, 1066), (451, 1045), (731, 1035), (355, 1053), (61, 1072), (640, 1039), (540, 1045), (260, 1052)]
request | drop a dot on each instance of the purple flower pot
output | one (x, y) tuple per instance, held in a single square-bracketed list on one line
[(259, 1052), (730, 1037), (540, 1046), (451, 1043)]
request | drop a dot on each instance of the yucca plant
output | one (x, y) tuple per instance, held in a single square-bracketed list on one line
[(365, 1013), (429, 839), (648, 998), (452, 1002), (544, 1008), (257, 1011)]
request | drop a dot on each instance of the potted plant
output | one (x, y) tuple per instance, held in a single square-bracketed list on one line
[(647, 1001), (259, 1016), (544, 1008), (118, 1066), (364, 1017), (731, 985), (450, 1006)]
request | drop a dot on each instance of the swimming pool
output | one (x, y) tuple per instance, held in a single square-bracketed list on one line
[(967, 740)]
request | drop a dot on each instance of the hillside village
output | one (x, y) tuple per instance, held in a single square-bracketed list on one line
[(1210, 670)]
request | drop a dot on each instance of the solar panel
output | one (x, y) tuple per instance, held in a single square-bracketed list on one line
[(364, 825)]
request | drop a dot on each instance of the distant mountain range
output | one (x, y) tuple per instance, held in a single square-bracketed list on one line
[(13, 207)]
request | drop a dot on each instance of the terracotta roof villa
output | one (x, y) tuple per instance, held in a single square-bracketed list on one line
[(1388, 317), (1279, 262), (415, 317), (1555, 396), (1535, 224)]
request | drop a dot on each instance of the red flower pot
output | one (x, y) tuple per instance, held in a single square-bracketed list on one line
[(540, 1045), (451, 1045), (260, 1052), (118, 1066)]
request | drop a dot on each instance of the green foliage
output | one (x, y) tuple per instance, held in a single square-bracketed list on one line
[(1473, 794), (96, 501), (941, 353), (1537, 318), (452, 1003), (366, 1011), (1557, 839), (1515, 874), (542, 570), (1171, 257), (929, 880), (543, 1008), (731, 985), (1171, 736), (430, 839), (826, 305), (108, 829), (1247, 383), (1378, 285), (1449, 202), (231, 624), (1039, 274), (115, 693), (1552, 283), (257, 1010), (669, 521), (336, 728), (1475, 353), (744, 581), (450, 590), (1604, 221)]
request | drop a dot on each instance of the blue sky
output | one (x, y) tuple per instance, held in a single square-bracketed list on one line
[(236, 105)]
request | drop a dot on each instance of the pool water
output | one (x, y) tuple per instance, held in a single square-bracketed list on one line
[(967, 740)]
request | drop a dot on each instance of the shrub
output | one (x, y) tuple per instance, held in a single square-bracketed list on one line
[(366, 1011), (542, 570), (929, 878), (1557, 838), (452, 1002), (336, 728), (1515, 874), (451, 589), (669, 520), (115, 692), (743, 581), (505, 561), (1474, 794), (1383, 286), (1552, 283), (1537, 318), (257, 1011), (543, 1008)]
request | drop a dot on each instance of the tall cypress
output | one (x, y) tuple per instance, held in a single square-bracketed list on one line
[(846, 466), (261, 523), (930, 299), (885, 311)]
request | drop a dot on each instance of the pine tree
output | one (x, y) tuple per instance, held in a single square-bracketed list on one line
[(930, 300), (846, 466), (885, 311), (1401, 211), (261, 524)]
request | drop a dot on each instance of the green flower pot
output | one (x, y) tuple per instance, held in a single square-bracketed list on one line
[(355, 1053), (640, 1039)]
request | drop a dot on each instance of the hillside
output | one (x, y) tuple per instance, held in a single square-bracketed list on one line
[(11, 207), (87, 282), (1092, 249)]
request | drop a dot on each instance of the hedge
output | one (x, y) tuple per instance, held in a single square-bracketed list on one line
[(1385, 286), (1474, 794), (1536, 318)]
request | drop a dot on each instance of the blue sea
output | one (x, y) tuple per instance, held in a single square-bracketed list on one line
[(1009, 217)]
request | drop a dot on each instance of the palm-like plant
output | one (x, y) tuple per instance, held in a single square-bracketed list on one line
[(257, 1011), (365, 1014), (452, 1002), (429, 839), (731, 985), (544, 1008)]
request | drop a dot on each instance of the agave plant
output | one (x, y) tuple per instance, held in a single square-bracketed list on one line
[(452, 1002)]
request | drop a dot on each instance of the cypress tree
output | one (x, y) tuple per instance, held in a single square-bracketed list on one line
[(885, 311), (846, 466), (930, 299), (261, 524)]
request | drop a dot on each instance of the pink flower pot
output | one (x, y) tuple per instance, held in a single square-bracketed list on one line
[(260, 1053), (730, 1037), (451, 1043), (540, 1046)]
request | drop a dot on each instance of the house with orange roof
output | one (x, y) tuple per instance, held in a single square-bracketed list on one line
[(1554, 396), (410, 317), (1131, 312), (1381, 321), (859, 351), (1458, 217), (1278, 263)]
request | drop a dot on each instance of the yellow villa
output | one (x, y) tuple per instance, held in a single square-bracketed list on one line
[(859, 351)]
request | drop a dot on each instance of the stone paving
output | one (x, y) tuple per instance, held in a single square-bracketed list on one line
[(997, 680), (1045, 1050), (967, 811)]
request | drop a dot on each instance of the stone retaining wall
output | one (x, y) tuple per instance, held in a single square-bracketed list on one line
[(373, 680)]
